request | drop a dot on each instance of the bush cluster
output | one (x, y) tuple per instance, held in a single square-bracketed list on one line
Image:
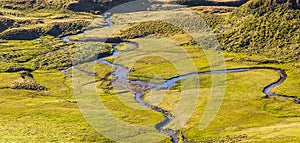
[(28, 84)]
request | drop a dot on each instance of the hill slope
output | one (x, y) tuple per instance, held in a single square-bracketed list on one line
[(30, 19), (265, 27)]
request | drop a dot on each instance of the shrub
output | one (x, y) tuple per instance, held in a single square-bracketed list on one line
[(28, 84)]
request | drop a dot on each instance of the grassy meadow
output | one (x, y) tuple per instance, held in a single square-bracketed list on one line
[(43, 116), (53, 115), (243, 111)]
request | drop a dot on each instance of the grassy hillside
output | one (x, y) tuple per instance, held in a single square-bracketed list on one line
[(30, 19), (260, 27), (46, 53), (157, 28)]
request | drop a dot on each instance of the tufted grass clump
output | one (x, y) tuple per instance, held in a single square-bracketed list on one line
[(28, 84)]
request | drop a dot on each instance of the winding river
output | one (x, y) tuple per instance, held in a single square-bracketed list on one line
[(121, 73)]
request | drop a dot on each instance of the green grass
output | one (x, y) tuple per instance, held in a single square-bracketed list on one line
[(29, 53), (47, 53), (43, 116), (155, 62), (243, 109), (250, 114), (123, 47), (30, 23), (53, 115), (259, 27)]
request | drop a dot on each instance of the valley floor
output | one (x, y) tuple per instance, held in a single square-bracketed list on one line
[(52, 115)]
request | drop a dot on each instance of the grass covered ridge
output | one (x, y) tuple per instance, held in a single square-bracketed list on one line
[(260, 27), (154, 28), (29, 19), (46, 53), (33, 24)]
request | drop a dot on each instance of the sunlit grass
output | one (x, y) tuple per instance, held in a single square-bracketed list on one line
[(53, 115)]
